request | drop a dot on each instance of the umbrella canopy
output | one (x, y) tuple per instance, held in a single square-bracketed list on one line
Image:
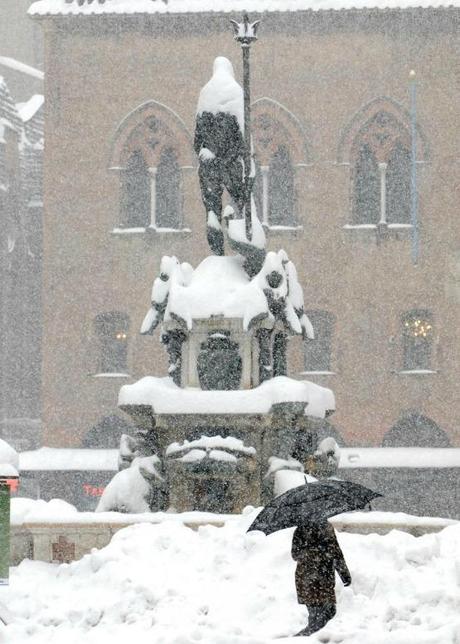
[(312, 503)]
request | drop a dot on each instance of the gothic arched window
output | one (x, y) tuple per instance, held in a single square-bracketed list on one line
[(280, 153), (152, 150), (318, 352), (381, 172), (417, 340), (281, 189), (168, 191), (112, 334), (136, 192)]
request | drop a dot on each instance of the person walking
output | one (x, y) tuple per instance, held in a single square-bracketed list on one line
[(318, 555)]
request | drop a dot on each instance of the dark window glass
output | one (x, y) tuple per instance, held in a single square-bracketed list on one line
[(136, 196), (398, 186), (318, 351), (168, 192), (417, 332), (112, 331), (366, 193), (281, 190)]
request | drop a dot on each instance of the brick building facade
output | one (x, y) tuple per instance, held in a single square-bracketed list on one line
[(332, 136)]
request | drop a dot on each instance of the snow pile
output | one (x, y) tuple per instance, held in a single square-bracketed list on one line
[(43, 7), (9, 460), (130, 489), (229, 443), (171, 585), (64, 458), (220, 286), (17, 66), (165, 397), (210, 444), (28, 109), (222, 93), (236, 228), (214, 448), (36, 510)]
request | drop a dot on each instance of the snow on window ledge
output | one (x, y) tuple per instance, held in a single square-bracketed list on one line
[(360, 227), (416, 372), (151, 230), (288, 231), (375, 226), (317, 373), (109, 374), (128, 231)]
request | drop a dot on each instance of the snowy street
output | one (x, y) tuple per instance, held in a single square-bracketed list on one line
[(168, 584)]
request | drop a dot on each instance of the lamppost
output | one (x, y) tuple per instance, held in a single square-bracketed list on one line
[(245, 33), (413, 182)]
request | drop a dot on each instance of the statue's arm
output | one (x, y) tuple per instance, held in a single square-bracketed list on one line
[(199, 134)]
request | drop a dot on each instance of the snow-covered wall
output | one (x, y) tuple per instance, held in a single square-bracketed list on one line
[(63, 7)]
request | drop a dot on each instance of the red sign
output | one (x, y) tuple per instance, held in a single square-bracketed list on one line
[(13, 484), (91, 490)]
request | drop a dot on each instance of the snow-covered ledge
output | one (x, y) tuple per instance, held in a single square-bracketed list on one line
[(57, 532)]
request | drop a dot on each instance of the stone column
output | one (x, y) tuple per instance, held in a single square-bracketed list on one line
[(383, 194), (153, 196), (264, 170)]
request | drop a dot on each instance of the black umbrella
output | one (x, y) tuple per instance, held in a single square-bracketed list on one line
[(312, 503)]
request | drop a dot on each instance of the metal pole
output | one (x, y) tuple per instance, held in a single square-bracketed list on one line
[(247, 140), (413, 183), (245, 33), (4, 532)]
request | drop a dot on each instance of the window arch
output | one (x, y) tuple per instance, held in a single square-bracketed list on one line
[(413, 429), (377, 146), (318, 352), (417, 328), (151, 150), (280, 150), (112, 334), (381, 173)]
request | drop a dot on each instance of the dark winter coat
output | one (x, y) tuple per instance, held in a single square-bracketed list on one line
[(318, 556)]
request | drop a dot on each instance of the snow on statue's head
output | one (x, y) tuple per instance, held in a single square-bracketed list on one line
[(222, 65), (222, 93)]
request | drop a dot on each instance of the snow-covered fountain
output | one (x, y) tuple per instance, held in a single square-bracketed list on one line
[(212, 434)]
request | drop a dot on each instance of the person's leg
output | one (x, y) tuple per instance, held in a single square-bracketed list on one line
[(233, 180), (211, 184), (318, 617)]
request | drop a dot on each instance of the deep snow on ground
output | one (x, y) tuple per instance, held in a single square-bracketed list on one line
[(168, 584)]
